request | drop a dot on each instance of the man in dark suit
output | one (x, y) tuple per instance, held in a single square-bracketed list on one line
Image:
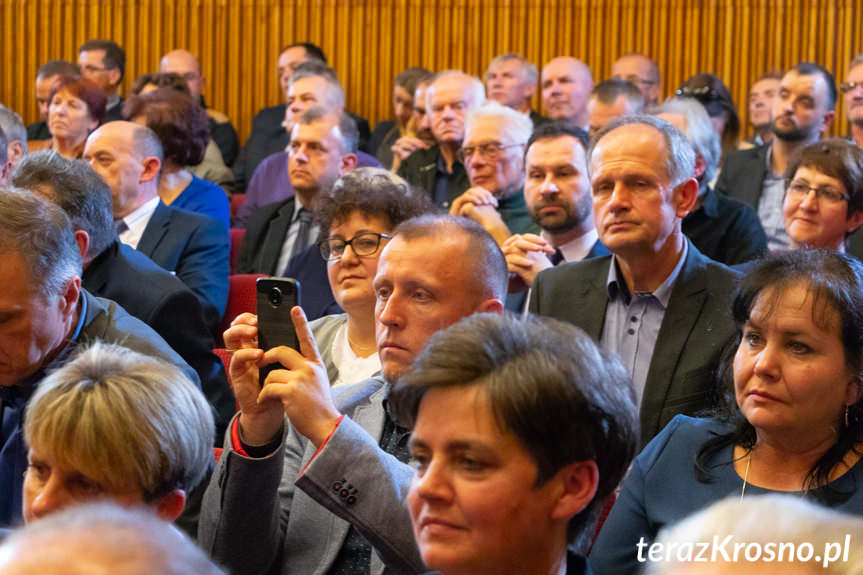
[(115, 271), (103, 62), (322, 147), (803, 109), (193, 247), (656, 301)]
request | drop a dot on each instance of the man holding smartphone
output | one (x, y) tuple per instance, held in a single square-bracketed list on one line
[(320, 491)]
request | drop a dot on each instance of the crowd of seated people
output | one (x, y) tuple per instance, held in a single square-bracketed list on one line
[(526, 344)]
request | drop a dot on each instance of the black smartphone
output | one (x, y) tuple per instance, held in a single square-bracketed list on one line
[(275, 298)]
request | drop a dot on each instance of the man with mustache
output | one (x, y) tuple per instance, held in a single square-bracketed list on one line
[(656, 300), (804, 108)]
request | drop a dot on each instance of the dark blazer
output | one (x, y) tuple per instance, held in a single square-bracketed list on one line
[(726, 230), (197, 249), (743, 174), (310, 269), (420, 171), (114, 113), (696, 327), (265, 235), (163, 302), (38, 131)]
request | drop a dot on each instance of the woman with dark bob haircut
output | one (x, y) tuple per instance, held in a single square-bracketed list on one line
[(184, 130), (711, 92), (76, 108), (791, 418)]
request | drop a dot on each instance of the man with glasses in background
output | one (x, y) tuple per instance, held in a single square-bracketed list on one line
[(641, 71), (103, 62)]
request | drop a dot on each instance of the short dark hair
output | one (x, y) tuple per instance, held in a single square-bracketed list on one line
[(810, 69), (313, 51), (488, 264), (160, 80), (608, 91), (347, 127), (86, 91), (837, 158), (115, 57), (182, 125), (57, 68), (76, 188), (409, 78), (564, 397), (554, 129), (711, 91)]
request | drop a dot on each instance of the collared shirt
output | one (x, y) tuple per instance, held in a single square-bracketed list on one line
[(112, 101), (444, 180), (577, 249), (291, 237), (770, 207), (137, 221), (632, 321)]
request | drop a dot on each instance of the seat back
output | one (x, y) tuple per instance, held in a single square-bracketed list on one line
[(237, 235), (241, 297)]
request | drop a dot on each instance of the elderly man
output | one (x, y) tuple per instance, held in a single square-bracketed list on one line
[(611, 99), (186, 64), (46, 316), (566, 83), (437, 169), (722, 228), (510, 80), (804, 108), (277, 487), (421, 122), (656, 301), (761, 96), (45, 76), (194, 247), (115, 271), (311, 84), (322, 147), (548, 424), (493, 154), (16, 135), (103, 62), (641, 71)]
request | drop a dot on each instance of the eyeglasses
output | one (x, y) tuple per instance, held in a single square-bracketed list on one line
[(846, 87), (93, 69), (638, 80), (364, 244), (489, 151), (700, 93), (799, 190)]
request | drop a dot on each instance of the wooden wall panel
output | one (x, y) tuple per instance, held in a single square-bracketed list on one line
[(370, 41)]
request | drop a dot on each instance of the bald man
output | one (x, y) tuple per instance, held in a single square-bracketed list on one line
[(641, 71), (566, 85), (222, 131)]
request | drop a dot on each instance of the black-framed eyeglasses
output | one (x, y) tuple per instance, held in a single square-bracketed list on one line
[(364, 244), (489, 151), (799, 189), (846, 87)]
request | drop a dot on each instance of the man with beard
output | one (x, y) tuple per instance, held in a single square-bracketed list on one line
[(804, 108), (558, 197)]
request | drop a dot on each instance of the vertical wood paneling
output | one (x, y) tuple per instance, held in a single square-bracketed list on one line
[(370, 41)]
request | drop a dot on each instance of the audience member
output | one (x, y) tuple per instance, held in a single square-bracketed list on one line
[(5, 165), (711, 92), (548, 423), (193, 247), (656, 301), (349, 465), (722, 228), (804, 108), (103, 62), (641, 71), (115, 271), (103, 538), (851, 88), (611, 99), (833, 170), (45, 76), (791, 417), (312, 84), (566, 84), (761, 96), (437, 170), (46, 316), (183, 130), (15, 136), (420, 135), (388, 132), (323, 147), (222, 130), (511, 80), (558, 198), (493, 154), (77, 108)]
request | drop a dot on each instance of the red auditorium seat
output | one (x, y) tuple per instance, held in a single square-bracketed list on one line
[(236, 241), (225, 356), (236, 201), (241, 297)]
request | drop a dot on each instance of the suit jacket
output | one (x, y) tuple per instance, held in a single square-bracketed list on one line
[(420, 171), (114, 113), (163, 302), (38, 131), (287, 510), (197, 250), (696, 327), (265, 235), (743, 174), (725, 230), (310, 269)]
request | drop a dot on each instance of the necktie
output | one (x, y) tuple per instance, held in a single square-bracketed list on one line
[(304, 228), (556, 257), (120, 226)]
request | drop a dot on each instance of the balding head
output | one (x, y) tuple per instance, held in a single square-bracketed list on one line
[(566, 84), (641, 71), (451, 94), (185, 64)]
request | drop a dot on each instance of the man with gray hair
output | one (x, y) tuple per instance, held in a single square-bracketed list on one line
[(493, 153), (852, 90), (5, 167), (656, 301), (611, 99), (722, 228), (438, 170), (46, 315), (566, 83), (16, 135), (511, 80)]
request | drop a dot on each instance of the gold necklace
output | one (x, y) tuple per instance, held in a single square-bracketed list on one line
[(745, 475)]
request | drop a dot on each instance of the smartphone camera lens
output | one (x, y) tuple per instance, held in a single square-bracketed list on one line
[(275, 297)]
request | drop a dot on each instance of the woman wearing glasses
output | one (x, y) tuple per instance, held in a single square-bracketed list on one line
[(823, 201)]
